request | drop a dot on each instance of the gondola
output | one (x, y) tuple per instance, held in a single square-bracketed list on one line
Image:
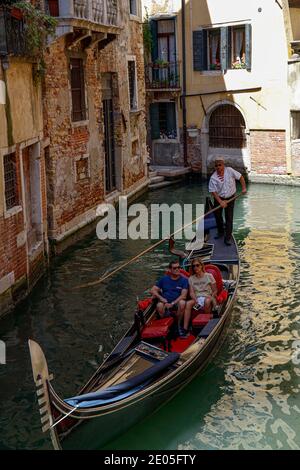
[(147, 367)]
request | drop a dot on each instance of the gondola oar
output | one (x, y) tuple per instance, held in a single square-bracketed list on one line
[(152, 247)]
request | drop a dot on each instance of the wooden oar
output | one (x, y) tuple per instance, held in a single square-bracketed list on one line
[(152, 247)]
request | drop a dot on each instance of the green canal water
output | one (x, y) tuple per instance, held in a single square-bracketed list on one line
[(248, 397)]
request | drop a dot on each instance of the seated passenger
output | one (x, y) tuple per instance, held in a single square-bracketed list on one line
[(171, 291), (203, 291)]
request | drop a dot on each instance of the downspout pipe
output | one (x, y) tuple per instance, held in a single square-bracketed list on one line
[(183, 98)]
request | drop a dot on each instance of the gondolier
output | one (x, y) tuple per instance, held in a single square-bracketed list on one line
[(222, 185)]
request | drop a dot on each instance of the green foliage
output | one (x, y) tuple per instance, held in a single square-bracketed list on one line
[(148, 40), (38, 27)]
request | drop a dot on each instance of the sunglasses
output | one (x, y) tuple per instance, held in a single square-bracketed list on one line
[(218, 164), (196, 265), (175, 267)]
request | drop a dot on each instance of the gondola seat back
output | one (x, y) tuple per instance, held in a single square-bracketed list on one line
[(222, 293)]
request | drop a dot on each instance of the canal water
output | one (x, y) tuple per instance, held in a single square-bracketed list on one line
[(248, 397)]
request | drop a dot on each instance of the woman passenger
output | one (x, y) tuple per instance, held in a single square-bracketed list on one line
[(202, 289)]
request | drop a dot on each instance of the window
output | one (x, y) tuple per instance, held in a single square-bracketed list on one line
[(214, 39), (166, 41), (295, 130), (163, 120), (227, 128), (222, 48), (132, 84), (52, 7), (238, 51), (133, 7), (10, 181), (78, 90)]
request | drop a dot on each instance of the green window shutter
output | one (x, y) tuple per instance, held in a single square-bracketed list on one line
[(224, 48), (154, 121), (153, 29), (200, 50), (248, 41)]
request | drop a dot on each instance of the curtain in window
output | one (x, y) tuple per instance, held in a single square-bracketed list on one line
[(172, 48), (238, 45), (163, 49), (214, 48)]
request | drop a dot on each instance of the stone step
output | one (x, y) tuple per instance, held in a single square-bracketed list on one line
[(152, 174), (156, 179), (163, 184)]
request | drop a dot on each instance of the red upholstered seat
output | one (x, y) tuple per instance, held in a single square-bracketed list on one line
[(143, 304), (215, 271), (157, 328), (222, 294), (202, 319)]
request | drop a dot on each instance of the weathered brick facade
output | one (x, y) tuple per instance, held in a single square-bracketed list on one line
[(23, 218), (61, 164), (76, 178), (268, 152)]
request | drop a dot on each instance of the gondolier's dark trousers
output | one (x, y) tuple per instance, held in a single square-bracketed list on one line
[(228, 217)]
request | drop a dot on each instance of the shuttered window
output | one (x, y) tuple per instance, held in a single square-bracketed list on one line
[(10, 181), (133, 7), (227, 128), (222, 48), (295, 131), (132, 84), (78, 90), (163, 121)]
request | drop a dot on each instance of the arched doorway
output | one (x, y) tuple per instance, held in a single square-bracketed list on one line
[(225, 133)]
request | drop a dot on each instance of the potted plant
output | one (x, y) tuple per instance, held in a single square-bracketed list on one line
[(193, 131)]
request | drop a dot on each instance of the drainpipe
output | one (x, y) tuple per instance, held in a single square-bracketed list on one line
[(183, 97)]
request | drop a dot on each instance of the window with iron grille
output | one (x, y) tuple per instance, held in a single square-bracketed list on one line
[(227, 128), (132, 84), (10, 181), (78, 90)]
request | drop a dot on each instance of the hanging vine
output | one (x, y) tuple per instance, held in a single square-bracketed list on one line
[(147, 35), (38, 27)]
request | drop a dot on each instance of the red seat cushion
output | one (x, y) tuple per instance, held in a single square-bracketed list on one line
[(215, 271), (143, 304), (202, 319), (157, 328), (222, 296)]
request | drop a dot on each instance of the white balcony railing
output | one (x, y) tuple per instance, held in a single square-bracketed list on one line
[(97, 11)]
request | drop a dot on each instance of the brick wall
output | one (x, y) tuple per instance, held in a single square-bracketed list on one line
[(18, 271), (268, 152)]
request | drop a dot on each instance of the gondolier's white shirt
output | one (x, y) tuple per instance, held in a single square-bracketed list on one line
[(227, 187)]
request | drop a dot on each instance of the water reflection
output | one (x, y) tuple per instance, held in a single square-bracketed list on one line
[(247, 398)]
